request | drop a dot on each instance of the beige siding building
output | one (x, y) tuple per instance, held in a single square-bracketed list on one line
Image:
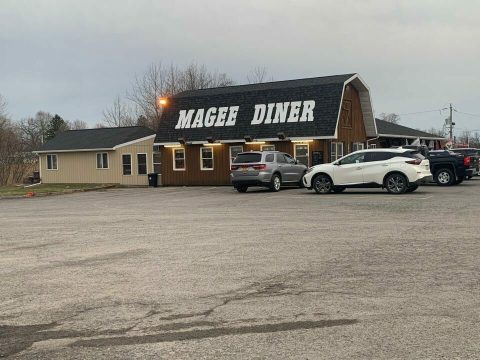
[(109, 155)]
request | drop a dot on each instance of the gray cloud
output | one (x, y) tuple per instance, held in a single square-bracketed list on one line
[(73, 57)]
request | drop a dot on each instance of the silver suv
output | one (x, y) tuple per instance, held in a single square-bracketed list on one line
[(271, 169)]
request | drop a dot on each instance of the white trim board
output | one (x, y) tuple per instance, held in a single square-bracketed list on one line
[(410, 137), (134, 141)]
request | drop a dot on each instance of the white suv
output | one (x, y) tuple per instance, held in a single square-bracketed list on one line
[(397, 170)]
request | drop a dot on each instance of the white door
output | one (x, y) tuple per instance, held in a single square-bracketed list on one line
[(349, 170)]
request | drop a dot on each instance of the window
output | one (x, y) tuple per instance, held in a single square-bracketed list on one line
[(372, 146), (281, 158), (52, 163), (102, 161), (179, 159), (267, 147), (157, 160), (206, 158), (357, 146), (269, 158), (353, 159), (127, 164), (246, 158), (379, 156), (336, 151), (301, 153), (234, 151), (142, 164), (289, 159)]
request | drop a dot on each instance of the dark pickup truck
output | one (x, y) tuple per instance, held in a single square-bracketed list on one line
[(447, 167), (474, 156)]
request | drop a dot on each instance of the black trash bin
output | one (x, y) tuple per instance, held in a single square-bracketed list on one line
[(153, 179)]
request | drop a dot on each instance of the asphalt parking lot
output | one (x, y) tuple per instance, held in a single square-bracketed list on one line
[(202, 273)]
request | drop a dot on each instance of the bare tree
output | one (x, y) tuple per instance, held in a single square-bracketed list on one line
[(3, 107), (258, 74), (77, 125), (159, 81), (391, 117), (119, 114), (11, 153)]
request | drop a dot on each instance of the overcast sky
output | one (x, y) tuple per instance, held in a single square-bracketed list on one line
[(74, 57)]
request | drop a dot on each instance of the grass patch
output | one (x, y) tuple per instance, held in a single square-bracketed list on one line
[(43, 189)]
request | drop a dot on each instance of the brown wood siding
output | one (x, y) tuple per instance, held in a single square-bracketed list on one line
[(220, 175), (353, 129)]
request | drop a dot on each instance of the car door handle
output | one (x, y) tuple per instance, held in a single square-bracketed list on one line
[(384, 164), (358, 168)]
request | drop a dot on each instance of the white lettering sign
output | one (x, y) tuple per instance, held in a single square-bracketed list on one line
[(271, 113)]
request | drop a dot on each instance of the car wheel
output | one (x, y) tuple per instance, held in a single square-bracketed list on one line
[(338, 189), (396, 183), (412, 188), (242, 188), (444, 177), (322, 184), (276, 183)]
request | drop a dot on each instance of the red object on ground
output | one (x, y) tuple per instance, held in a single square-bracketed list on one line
[(30, 194)]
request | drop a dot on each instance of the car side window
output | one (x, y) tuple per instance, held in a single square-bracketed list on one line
[(289, 159), (269, 158), (379, 156), (281, 158), (353, 159)]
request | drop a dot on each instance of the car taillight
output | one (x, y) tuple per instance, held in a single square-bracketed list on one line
[(234, 167), (414, 161), (260, 167), (466, 160)]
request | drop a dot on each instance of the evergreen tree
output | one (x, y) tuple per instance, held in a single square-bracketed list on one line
[(55, 126)]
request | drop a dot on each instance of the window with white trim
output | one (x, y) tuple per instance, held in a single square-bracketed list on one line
[(372, 146), (157, 159), (142, 164), (178, 159), (102, 160), (52, 163), (357, 146), (234, 151), (269, 147), (336, 151), (206, 158), (127, 164), (301, 153)]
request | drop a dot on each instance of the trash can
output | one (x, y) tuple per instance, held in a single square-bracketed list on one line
[(153, 179)]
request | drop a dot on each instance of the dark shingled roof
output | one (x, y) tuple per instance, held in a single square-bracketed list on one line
[(326, 91), (388, 128), (101, 138)]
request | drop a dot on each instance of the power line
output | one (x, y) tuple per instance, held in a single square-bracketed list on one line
[(423, 112), (465, 113)]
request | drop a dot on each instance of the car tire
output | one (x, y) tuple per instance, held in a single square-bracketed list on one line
[(322, 184), (396, 183), (242, 188), (412, 188), (338, 189), (444, 177), (276, 183)]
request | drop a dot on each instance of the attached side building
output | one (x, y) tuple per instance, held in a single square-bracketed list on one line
[(316, 120), (106, 155), (390, 134)]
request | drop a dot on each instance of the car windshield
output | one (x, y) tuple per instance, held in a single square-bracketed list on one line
[(244, 158)]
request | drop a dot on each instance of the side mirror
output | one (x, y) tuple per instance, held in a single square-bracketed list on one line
[(337, 164)]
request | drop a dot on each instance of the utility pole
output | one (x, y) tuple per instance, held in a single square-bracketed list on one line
[(451, 123)]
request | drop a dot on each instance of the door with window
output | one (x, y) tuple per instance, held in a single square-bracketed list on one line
[(376, 166), (349, 170)]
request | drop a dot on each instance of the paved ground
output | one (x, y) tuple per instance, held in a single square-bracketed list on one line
[(201, 273)]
